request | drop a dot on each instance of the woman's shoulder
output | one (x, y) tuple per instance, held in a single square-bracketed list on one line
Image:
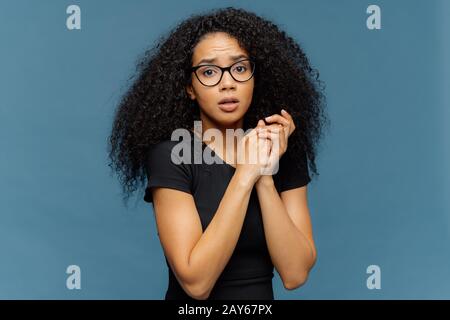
[(163, 146), (293, 172), (177, 150)]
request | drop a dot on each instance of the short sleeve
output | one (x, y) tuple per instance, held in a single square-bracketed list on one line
[(163, 172), (293, 174)]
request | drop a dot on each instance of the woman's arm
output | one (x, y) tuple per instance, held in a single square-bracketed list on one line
[(197, 258), (286, 219), (288, 231)]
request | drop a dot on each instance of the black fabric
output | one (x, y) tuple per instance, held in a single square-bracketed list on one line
[(249, 271)]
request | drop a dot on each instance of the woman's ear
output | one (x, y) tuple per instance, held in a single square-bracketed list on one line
[(190, 91)]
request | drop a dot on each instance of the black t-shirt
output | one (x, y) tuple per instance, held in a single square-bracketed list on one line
[(250, 261)]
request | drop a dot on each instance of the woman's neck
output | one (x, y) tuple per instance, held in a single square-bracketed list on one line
[(228, 151)]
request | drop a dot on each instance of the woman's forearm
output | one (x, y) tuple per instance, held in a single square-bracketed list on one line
[(213, 250), (290, 250)]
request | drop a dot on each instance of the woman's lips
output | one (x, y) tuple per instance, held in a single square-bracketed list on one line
[(228, 106)]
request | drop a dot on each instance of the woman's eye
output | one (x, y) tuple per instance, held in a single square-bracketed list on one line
[(240, 69), (209, 72)]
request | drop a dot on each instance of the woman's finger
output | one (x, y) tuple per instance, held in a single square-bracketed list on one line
[(277, 139), (277, 118), (282, 139), (262, 132), (286, 114), (260, 124), (277, 125)]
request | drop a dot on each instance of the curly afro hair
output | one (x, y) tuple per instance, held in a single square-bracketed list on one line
[(157, 103)]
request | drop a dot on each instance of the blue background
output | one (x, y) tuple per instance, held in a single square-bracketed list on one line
[(381, 198)]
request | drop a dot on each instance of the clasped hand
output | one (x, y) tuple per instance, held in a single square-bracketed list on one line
[(273, 140)]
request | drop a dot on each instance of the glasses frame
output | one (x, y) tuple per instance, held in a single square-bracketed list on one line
[(223, 69)]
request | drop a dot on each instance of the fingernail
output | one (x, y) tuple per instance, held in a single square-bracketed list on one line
[(282, 110), (267, 118)]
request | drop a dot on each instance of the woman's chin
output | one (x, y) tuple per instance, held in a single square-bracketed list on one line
[(225, 119), (229, 118)]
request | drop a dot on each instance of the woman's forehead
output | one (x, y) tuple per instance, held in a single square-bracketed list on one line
[(218, 48)]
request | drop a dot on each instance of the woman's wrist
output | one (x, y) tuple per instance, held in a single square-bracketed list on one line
[(245, 179), (264, 181)]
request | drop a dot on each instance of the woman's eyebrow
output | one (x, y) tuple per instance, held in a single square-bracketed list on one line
[(235, 58), (232, 58)]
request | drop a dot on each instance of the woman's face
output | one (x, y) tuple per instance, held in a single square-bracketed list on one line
[(222, 50)]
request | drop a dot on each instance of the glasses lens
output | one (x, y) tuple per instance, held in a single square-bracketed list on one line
[(242, 70), (208, 75)]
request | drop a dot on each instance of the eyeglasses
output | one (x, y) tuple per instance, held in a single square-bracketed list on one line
[(210, 75)]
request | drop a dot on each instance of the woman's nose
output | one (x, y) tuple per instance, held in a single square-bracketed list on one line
[(227, 81)]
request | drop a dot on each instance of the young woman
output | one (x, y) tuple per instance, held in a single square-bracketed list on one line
[(224, 226)]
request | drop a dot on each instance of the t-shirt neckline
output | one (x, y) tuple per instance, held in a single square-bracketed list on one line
[(213, 152)]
